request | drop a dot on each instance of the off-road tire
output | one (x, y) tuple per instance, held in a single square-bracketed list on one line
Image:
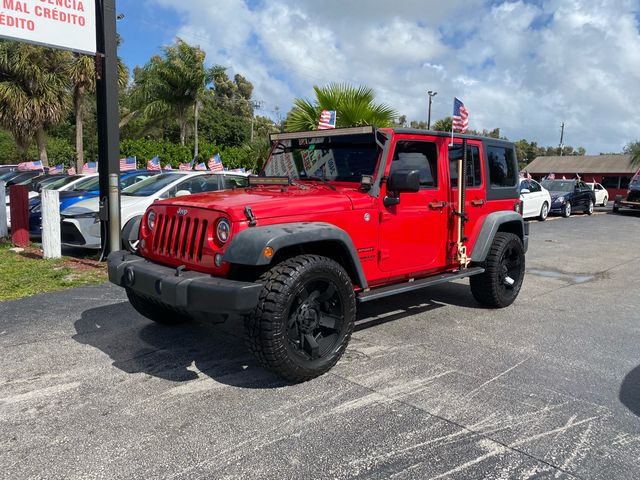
[(615, 208), (544, 212), (566, 210), (489, 288), (155, 312), (589, 209), (268, 328)]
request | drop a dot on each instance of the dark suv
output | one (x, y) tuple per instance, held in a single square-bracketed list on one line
[(568, 196), (336, 218), (632, 199)]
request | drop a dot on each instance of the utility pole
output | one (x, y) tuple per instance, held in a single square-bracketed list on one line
[(561, 137), (431, 94), (108, 128)]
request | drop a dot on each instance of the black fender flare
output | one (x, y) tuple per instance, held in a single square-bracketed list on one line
[(491, 226), (246, 248), (131, 230)]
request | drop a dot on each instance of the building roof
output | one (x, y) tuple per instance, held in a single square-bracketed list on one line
[(587, 164)]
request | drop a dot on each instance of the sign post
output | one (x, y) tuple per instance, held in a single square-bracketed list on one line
[(83, 26)]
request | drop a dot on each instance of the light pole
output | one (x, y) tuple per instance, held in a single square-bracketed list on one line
[(431, 94)]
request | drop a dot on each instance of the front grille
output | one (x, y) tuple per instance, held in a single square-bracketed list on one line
[(70, 234), (180, 237), (634, 195)]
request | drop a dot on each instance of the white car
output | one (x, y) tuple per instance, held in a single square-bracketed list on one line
[(64, 184), (80, 223), (602, 195), (536, 200)]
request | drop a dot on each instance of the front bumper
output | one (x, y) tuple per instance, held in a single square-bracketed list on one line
[(186, 291), (621, 202), (81, 232)]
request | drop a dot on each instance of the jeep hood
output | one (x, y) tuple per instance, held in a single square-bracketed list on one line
[(272, 202)]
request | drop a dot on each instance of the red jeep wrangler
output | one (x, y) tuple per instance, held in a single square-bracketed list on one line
[(336, 218)]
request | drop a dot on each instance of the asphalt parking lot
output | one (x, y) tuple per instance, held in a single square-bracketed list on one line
[(432, 386)]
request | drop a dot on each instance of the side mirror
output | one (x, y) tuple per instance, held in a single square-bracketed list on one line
[(182, 193), (525, 190), (404, 181)]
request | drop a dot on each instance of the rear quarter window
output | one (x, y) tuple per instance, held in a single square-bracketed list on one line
[(502, 176)]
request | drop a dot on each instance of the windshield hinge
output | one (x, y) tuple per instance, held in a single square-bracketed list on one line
[(250, 216)]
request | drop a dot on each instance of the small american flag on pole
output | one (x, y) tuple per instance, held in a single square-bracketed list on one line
[(26, 166), (215, 163), (327, 120), (127, 164), (186, 166), (91, 167), (201, 166), (57, 169), (154, 164), (460, 119), (71, 170)]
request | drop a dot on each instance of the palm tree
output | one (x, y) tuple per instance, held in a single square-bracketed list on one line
[(34, 91), (633, 149), (353, 105), (174, 84), (83, 78)]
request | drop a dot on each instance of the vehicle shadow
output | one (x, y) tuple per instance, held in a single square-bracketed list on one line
[(186, 352), (630, 391)]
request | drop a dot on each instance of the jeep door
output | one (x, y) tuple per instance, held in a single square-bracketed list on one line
[(414, 234)]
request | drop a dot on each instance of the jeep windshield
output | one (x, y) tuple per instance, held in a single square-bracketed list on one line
[(343, 158), (559, 185)]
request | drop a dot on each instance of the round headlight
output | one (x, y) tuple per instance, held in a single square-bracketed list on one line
[(561, 199), (151, 219), (223, 231)]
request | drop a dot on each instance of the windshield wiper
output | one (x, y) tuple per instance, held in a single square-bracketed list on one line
[(323, 180)]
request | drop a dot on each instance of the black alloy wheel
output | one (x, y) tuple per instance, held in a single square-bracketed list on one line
[(504, 266), (304, 318)]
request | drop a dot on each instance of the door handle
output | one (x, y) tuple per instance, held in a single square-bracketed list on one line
[(437, 205), (478, 203)]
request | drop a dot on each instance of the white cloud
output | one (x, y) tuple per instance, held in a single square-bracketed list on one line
[(522, 66)]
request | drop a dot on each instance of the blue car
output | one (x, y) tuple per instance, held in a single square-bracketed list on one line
[(82, 191)]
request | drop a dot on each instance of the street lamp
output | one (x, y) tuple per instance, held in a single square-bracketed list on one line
[(431, 94)]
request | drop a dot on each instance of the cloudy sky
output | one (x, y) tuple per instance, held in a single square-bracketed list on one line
[(523, 66)]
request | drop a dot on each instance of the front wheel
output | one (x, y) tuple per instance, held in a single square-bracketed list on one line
[(566, 210), (589, 210), (304, 317), (502, 279), (605, 201), (544, 212)]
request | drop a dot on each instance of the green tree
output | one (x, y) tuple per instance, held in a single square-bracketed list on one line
[(353, 105), (34, 91), (633, 149), (173, 85), (442, 125)]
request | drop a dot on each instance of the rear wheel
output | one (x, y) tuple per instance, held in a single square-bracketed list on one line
[(304, 318), (502, 279), (604, 202), (589, 210), (566, 210), (544, 212), (154, 311)]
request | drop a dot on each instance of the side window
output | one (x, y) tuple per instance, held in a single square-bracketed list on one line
[(502, 171), (231, 181), (534, 187), (193, 185), (524, 185), (474, 172), (421, 156), (598, 186)]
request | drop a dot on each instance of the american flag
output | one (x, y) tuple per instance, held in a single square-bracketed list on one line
[(201, 166), (127, 164), (26, 166), (57, 169), (91, 167), (215, 163), (238, 170), (186, 166), (460, 120), (327, 120), (71, 170), (154, 164), (168, 167)]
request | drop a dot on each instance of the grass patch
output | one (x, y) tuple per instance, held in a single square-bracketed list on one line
[(27, 273)]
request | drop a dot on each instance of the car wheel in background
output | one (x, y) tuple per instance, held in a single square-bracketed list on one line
[(566, 210), (589, 210), (129, 235), (615, 208), (544, 212), (604, 202)]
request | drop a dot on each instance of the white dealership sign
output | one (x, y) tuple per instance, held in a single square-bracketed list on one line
[(68, 24)]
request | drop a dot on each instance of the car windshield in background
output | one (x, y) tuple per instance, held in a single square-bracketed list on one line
[(152, 185), (88, 184), (234, 181), (341, 158), (559, 185), (61, 182)]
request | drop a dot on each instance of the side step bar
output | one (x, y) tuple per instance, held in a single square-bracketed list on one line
[(382, 292)]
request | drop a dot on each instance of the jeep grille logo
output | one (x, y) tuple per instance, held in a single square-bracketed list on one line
[(182, 211)]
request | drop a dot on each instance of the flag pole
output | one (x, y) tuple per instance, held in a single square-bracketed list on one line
[(454, 109)]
